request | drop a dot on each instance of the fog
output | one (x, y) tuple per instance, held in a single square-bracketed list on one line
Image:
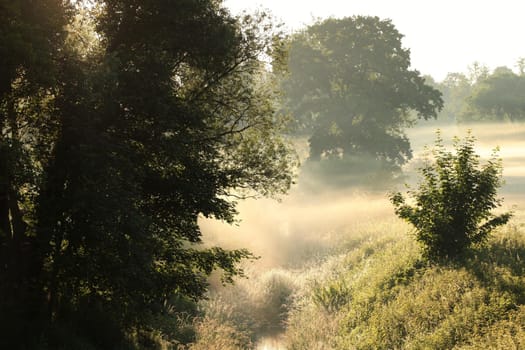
[(307, 223), (298, 229), (508, 137), (299, 237)]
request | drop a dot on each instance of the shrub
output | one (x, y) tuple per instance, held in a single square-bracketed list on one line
[(453, 203)]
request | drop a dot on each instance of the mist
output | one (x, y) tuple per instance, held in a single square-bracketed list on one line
[(301, 227), (508, 138), (113, 148), (318, 223), (308, 222)]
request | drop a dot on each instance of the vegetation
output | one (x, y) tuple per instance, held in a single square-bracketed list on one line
[(499, 97), (373, 287), (238, 316), (382, 294), (118, 130), (453, 204), (480, 95), (378, 292), (350, 89), (124, 122)]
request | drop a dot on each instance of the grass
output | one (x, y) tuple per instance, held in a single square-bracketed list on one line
[(384, 296), (371, 290), (352, 275)]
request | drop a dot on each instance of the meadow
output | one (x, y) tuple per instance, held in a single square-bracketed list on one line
[(338, 270)]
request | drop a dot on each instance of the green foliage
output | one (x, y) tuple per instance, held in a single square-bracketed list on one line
[(350, 88), (393, 300), (332, 296), (483, 96), (32, 34), (453, 204), (499, 97), (31, 37), (119, 128)]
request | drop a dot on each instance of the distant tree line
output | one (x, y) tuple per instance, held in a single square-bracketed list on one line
[(483, 96)]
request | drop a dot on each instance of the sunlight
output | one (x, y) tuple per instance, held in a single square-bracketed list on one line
[(437, 47)]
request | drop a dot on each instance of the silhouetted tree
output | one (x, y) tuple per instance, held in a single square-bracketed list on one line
[(31, 36), (111, 159)]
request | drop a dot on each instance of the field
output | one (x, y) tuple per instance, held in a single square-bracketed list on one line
[(338, 270)]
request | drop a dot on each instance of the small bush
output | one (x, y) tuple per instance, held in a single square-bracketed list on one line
[(453, 203)]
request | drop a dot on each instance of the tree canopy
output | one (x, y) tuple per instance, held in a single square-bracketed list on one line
[(114, 146), (351, 89)]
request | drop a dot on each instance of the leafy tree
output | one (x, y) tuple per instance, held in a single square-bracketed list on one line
[(499, 97), (456, 88), (350, 87), (31, 37), (453, 203), (163, 115), (477, 72)]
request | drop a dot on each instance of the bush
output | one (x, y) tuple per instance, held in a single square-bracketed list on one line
[(453, 203)]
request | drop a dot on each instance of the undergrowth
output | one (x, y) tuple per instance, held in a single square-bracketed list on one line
[(373, 290), (384, 296)]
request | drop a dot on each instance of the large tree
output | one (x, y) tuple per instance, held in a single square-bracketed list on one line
[(31, 35), (351, 88), (168, 118)]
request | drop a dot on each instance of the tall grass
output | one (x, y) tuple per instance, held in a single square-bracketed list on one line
[(370, 289), (385, 297), (339, 271)]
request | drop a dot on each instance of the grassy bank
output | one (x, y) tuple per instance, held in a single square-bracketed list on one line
[(383, 296), (372, 290)]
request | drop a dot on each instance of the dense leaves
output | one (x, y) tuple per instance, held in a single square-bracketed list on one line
[(152, 114), (453, 204), (351, 89), (31, 36), (499, 97)]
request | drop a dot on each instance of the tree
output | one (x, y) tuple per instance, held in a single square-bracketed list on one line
[(477, 72), (456, 89), (453, 204), (169, 118), (350, 87), (499, 97), (31, 37)]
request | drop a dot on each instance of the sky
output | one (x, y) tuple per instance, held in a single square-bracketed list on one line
[(443, 36)]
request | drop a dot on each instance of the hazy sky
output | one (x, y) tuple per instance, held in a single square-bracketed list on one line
[(443, 36)]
